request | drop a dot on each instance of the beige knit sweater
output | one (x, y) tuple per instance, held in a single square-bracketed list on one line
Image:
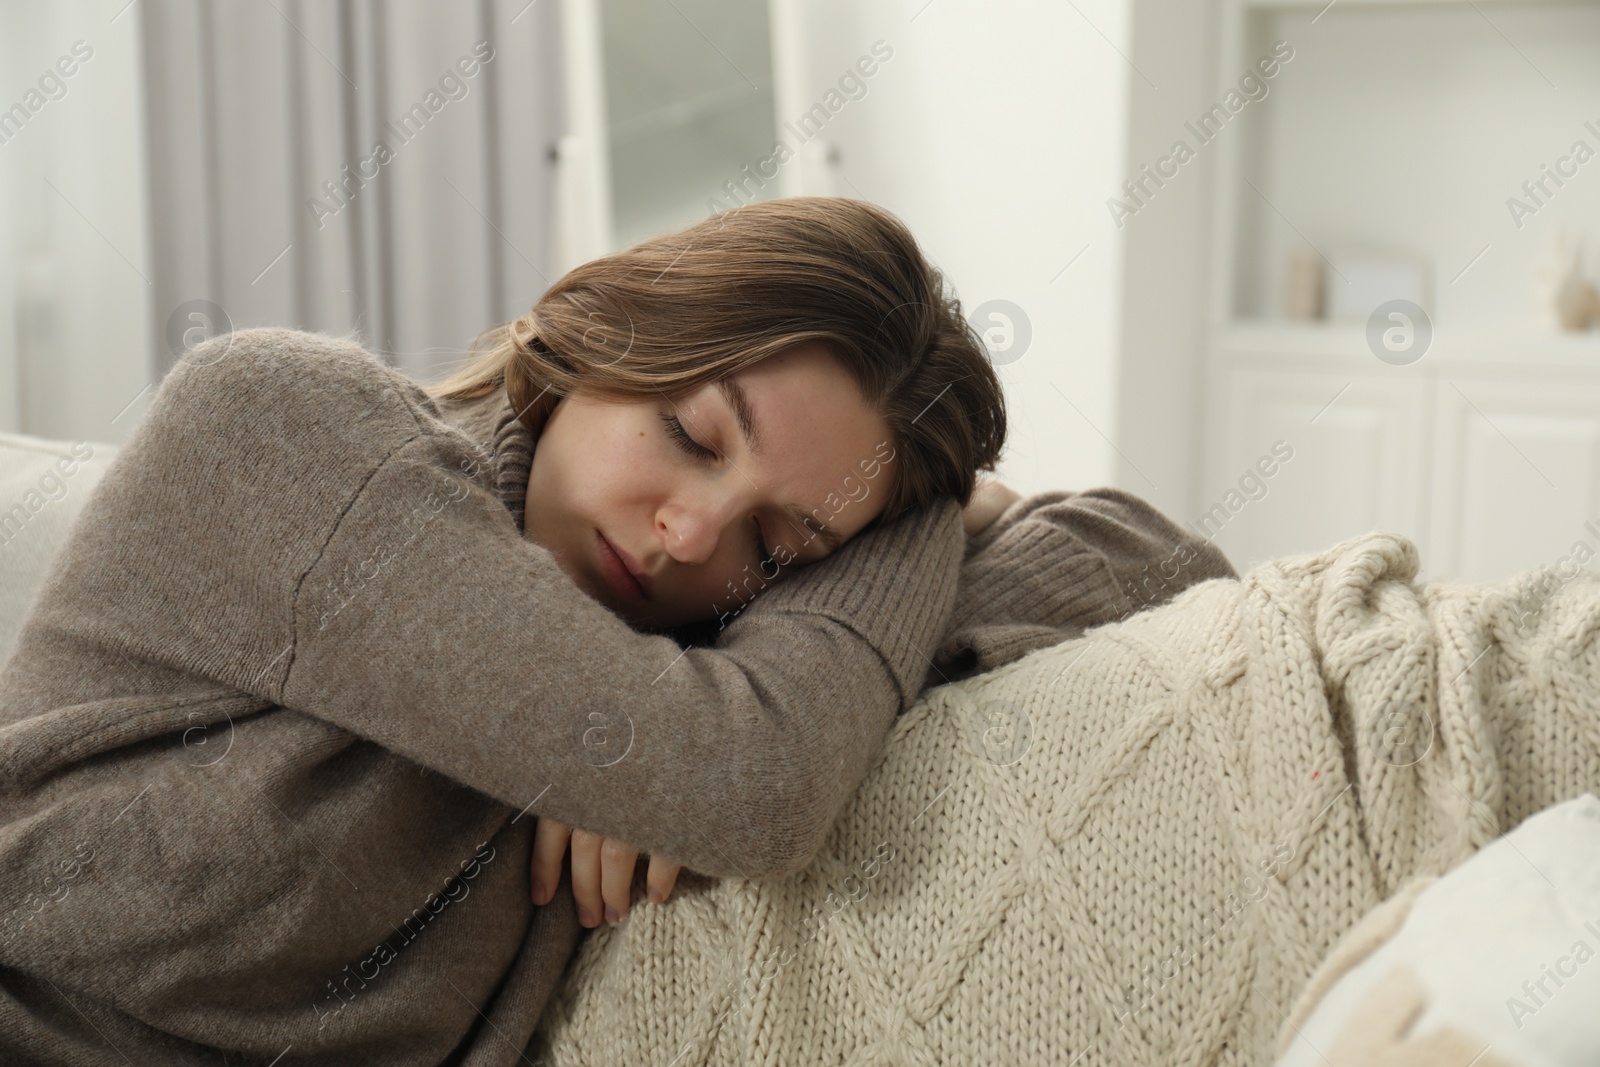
[(1132, 848), (278, 725)]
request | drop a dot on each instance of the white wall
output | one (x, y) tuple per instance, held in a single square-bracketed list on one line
[(1167, 262), (996, 131), (75, 326)]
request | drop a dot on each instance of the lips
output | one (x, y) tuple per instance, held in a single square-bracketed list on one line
[(621, 571)]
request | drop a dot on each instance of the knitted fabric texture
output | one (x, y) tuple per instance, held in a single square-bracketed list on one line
[(1129, 848)]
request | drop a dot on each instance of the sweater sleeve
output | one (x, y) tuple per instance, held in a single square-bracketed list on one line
[(1057, 564), (440, 633)]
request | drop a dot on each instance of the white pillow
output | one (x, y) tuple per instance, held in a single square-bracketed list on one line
[(1503, 953)]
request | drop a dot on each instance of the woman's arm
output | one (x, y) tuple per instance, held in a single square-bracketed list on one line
[(293, 519), (1056, 564), (473, 654)]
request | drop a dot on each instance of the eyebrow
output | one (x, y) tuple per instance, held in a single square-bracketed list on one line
[(734, 394)]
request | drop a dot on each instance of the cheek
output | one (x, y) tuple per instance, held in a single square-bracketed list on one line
[(604, 464), (625, 463)]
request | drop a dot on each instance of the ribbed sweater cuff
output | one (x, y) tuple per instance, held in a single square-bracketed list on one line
[(894, 585), (1042, 581)]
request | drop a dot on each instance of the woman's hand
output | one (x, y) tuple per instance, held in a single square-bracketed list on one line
[(602, 872), (989, 499)]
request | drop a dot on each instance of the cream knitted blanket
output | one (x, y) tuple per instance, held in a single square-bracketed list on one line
[(1130, 848)]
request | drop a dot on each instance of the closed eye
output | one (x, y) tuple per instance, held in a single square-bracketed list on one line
[(700, 451), (689, 444)]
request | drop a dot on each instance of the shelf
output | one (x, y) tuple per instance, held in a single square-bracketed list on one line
[(1316, 161), (1344, 340)]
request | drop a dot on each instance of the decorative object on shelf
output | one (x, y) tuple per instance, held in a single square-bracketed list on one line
[(1566, 299), (1304, 285), (1364, 278)]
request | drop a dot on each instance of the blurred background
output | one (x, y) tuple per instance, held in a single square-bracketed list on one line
[(1291, 271)]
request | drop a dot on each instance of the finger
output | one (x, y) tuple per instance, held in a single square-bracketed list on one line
[(549, 849), (663, 876), (617, 861), (586, 876)]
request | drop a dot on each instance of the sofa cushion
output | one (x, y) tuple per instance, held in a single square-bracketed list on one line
[(43, 484)]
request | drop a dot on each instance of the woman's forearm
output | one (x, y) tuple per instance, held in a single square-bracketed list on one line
[(1055, 564)]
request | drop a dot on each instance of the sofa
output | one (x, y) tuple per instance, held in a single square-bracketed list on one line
[(43, 484), (1219, 831), (1228, 830)]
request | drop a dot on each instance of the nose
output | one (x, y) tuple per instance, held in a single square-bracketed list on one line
[(692, 530)]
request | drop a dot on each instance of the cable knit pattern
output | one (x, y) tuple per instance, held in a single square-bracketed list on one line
[(1129, 848)]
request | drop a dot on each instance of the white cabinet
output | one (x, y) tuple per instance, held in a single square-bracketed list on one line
[(1516, 470), (1357, 446), (672, 113), (1353, 154), (1490, 468)]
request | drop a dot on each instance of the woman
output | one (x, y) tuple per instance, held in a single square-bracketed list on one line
[(324, 645), (821, 435)]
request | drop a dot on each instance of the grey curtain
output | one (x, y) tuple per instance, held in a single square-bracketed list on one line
[(338, 164)]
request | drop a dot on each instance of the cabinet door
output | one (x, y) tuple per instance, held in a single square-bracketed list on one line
[(689, 110), (1518, 471), (1357, 455)]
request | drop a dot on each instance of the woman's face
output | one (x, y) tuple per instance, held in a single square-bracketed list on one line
[(694, 525)]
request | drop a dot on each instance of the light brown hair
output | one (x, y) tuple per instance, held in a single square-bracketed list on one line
[(679, 311)]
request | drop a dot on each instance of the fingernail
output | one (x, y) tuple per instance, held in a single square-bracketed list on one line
[(611, 914), (586, 917), (655, 895)]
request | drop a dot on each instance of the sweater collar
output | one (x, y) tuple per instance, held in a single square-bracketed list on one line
[(490, 422)]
